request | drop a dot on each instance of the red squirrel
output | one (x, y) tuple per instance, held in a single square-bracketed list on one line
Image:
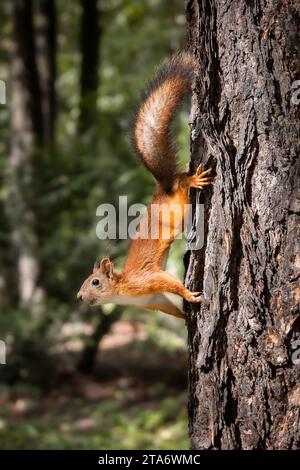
[(143, 281)]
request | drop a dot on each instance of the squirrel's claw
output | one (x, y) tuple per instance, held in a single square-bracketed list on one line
[(199, 179), (199, 169)]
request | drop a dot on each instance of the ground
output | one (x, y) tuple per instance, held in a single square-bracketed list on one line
[(135, 399)]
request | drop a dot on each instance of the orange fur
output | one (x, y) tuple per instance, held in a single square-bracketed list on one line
[(152, 138), (143, 280)]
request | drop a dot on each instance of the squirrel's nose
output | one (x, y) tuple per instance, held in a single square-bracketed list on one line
[(79, 296)]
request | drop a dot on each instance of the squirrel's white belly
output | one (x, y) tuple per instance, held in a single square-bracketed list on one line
[(139, 301)]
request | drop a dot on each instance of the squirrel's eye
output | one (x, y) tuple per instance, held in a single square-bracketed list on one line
[(95, 282)]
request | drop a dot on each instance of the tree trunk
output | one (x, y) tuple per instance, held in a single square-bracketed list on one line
[(244, 388), (26, 123), (8, 280), (46, 54), (89, 78), (88, 356)]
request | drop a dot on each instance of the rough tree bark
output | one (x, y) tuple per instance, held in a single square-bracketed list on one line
[(244, 385), (27, 135)]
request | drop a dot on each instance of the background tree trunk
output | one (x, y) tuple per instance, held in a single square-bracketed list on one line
[(88, 356), (244, 387), (89, 83), (89, 77), (8, 280), (27, 135), (46, 62)]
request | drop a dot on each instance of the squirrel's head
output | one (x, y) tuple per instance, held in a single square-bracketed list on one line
[(99, 287)]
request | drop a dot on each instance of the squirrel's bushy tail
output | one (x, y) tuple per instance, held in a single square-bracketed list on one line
[(151, 136)]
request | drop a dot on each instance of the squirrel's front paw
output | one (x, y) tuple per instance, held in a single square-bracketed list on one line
[(195, 297)]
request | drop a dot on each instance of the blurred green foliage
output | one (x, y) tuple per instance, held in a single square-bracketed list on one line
[(81, 172)]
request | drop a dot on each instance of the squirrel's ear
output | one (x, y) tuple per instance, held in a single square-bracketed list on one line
[(96, 266), (106, 267)]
